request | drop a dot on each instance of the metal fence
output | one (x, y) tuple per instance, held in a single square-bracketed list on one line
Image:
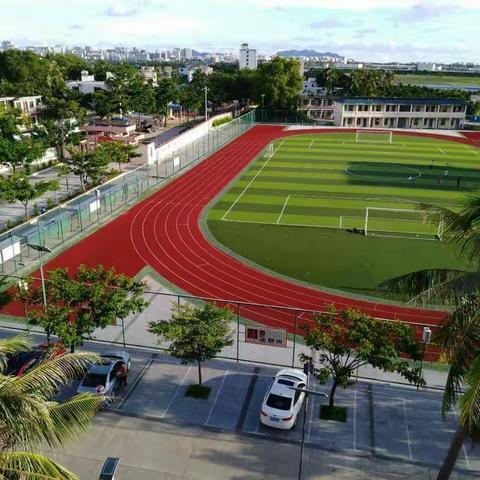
[(281, 345), (75, 218)]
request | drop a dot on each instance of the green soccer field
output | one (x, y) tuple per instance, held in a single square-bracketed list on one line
[(297, 208)]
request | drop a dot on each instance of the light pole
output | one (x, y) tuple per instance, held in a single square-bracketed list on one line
[(206, 111), (22, 286), (41, 249), (263, 106), (235, 108), (426, 337), (307, 369)]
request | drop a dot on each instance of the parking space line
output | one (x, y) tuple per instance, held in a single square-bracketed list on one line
[(354, 420), (467, 461), (216, 397), (248, 399), (372, 418), (410, 456), (137, 380), (164, 414)]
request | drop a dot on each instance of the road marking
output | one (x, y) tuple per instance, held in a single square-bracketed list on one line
[(283, 209), (354, 420), (467, 461), (216, 397), (410, 456), (441, 149), (164, 414), (251, 181)]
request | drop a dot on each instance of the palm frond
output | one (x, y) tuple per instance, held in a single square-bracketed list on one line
[(31, 466), (460, 228), (470, 400), (55, 372), (69, 419), (11, 346), (424, 285)]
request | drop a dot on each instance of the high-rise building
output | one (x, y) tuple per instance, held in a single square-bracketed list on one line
[(187, 53), (248, 57)]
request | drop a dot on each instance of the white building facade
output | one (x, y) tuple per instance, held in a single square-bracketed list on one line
[(30, 106), (247, 58), (87, 84), (415, 113)]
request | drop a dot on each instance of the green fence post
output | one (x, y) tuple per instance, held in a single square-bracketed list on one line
[(238, 331)]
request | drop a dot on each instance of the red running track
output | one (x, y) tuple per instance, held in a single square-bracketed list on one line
[(164, 232)]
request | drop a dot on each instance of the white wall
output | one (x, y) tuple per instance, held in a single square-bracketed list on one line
[(180, 141)]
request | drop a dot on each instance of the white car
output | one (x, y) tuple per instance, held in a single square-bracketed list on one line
[(101, 378), (281, 404)]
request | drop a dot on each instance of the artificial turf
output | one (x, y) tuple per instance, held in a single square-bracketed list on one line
[(284, 212)]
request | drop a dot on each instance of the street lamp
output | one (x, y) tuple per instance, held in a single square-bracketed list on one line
[(426, 337), (235, 102), (41, 249), (263, 106), (206, 112), (307, 369)]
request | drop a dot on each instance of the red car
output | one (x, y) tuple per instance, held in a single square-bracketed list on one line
[(22, 362)]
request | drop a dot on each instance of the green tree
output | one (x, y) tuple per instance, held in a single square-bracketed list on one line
[(349, 339), (18, 187), (196, 334), (89, 165), (281, 82), (30, 419), (190, 99), (118, 152), (79, 303), (165, 93), (16, 148), (459, 336)]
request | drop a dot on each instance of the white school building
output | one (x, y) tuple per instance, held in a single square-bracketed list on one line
[(415, 113)]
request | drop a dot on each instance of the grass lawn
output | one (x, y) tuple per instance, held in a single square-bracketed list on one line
[(447, 80), (291, 213)]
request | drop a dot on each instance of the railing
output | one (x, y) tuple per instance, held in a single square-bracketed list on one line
[(74, 219)]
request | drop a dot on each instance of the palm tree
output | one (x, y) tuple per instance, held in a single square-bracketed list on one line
[(29, 418), (459, 336)]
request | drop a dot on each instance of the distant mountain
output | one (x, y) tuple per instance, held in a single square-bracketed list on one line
[(307, 53), (196, 53)]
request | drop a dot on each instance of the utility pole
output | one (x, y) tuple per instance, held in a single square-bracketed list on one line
[(206, 104)]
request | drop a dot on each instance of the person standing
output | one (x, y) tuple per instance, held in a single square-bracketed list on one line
[(122, 375)]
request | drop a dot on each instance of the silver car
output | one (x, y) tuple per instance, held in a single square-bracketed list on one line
[(102, 378)]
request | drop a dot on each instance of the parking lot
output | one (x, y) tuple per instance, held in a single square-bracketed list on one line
[(387, 421)]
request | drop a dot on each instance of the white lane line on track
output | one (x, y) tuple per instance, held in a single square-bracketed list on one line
[(251, 181), (309, 297), (283, 209)]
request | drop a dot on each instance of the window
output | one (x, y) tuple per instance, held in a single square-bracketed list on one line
[(443, 122), (377, 122), (417, 108), (349, 108), (363, 108), (378, 108), (444, 109), (405, 108), (278, 402)]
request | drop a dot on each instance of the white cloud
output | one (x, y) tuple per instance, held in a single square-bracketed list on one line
[(356, 4)]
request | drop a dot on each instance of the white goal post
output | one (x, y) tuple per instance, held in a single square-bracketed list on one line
[(400, 221), (376, 136)]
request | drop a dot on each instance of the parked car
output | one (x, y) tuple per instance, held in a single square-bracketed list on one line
[(23, 362), (101, 378), (282, 404)]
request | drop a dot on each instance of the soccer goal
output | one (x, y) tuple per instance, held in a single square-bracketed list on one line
[(374, 136), (398, 222)]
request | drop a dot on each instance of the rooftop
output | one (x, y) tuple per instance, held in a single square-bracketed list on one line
[(400, 101)]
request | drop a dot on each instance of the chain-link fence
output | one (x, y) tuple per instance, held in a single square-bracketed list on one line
[(279, 344), (75, 218)]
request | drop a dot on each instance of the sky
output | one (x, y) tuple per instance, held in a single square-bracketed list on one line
[(366, 30)]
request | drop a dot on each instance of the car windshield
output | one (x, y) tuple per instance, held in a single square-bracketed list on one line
[(93, 380), (278, 402), (289, 383)]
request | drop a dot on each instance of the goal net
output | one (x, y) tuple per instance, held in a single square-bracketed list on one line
[(397, 222), (377, 136)]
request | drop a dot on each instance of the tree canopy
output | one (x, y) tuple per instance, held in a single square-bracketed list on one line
[(349, 339), (79, 303)]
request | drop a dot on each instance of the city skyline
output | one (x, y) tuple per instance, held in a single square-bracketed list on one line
[(367, 30)]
